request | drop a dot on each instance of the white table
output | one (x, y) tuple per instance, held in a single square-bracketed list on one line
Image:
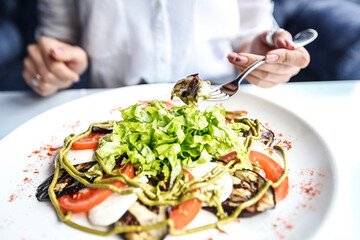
[(331, 107)]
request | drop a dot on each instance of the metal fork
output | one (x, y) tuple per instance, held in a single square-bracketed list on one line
[(227, 90)]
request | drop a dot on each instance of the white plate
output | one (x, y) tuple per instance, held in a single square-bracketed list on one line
[(312, 175)]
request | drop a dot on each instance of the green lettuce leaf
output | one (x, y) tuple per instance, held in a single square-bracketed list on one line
[(160, 141)]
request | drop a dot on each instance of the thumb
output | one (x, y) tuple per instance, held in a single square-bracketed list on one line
[(283, 39), (68, 54), (74, 57)]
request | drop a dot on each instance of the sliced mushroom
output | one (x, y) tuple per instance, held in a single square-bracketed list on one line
[(141, 215)]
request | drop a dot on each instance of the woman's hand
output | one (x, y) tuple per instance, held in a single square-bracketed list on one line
[(52, 65), (282, 60)]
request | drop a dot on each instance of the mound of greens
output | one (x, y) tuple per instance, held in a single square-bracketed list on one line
[(160, 141)]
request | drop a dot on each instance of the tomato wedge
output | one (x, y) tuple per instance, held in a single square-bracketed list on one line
[(185, 212), (272, 172), (88, 142), (229, 157), (87, 198)]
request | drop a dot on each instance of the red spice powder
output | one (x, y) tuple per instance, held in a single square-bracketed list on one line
[(44, 152), (13, 197), (37, 158), (27, 180), (283, 143), (281, 226), (72, 126), (115, 109)]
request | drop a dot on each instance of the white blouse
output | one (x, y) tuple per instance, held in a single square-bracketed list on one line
[(154, 41)]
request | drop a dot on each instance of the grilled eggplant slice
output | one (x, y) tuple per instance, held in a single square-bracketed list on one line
[(266, 135), (246, 184), (97, 129), (65, 185), (140, 214)]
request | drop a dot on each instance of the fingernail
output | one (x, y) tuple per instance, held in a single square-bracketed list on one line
[(232, 56), (241, 59), (57, 51), (76, 79), (272, 58), (289, 44)]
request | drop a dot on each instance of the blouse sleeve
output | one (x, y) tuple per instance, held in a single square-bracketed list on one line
[(256, 16), (58, 19)]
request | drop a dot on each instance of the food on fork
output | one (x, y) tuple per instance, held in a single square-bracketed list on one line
[(191, 89)]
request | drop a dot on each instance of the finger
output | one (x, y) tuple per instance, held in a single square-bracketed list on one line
[(62, 72), (272, 76), (260, 82), (243, 59), (59, 69), (279, 68), (299, 57), (283, 39), (41, 88), (30, 66), (54, 72), (27, 77), (68, 54), (36, 57)]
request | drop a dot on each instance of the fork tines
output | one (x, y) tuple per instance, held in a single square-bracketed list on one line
[(217, 96)]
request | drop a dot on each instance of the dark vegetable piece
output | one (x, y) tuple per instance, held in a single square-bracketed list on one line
[(97, 129), (140, 214), (266, 135), (246, 184), (188, 89), (65, 184)]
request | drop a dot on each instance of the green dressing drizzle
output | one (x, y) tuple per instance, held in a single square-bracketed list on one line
[(153, 196)]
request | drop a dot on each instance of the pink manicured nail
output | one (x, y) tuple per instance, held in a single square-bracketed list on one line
[(272, 58), (241, 59), (289, 44), (232, 56), (57, 51)]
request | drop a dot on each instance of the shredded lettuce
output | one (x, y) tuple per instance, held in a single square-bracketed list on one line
[(160, 141)]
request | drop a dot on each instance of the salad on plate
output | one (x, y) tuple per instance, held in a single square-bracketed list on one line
[(149, 174)]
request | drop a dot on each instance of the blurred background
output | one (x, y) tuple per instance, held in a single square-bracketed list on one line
[(335, 55)]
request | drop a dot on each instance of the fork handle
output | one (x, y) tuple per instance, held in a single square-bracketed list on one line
[(229, 87)]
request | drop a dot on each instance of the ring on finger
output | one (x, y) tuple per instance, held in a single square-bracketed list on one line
[(35, 80), (270, 36)]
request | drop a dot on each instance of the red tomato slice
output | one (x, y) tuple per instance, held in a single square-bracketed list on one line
[(272, 172), (185, 212), (87, 198), (229, 157), (88, 142)]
